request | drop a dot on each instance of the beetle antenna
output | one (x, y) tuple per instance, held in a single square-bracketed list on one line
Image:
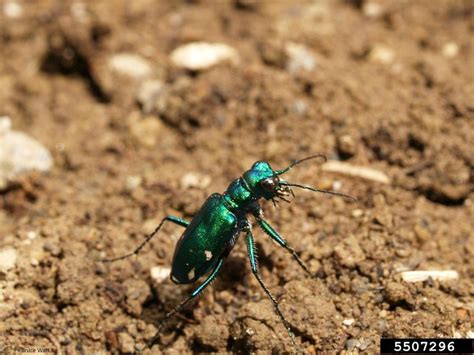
[(306, 187), (296, 162)]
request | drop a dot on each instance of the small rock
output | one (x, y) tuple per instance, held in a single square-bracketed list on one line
[(31, 235), (160, 273), (372, 9), (8, 258), (357, 213), (382, 54), (300, 58), (20, 153), (346, 146), (273, 52), (12, 9), (423, 275), (126, 343), (450, 50), (202, 55), (348, 322), (299, 107), (132, 182), (131, 65), (148, 93), (195, 180)]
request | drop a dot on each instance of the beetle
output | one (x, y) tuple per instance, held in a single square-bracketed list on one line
[(213, 232)]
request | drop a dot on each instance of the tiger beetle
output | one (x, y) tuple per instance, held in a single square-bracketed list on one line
[(210, 236)]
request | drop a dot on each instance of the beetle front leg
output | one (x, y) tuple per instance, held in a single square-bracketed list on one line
[(272, 233), (176, 220), (183, 304), (253, 263)]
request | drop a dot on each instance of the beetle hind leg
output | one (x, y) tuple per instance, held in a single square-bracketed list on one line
[(183, 304), (253, 263)]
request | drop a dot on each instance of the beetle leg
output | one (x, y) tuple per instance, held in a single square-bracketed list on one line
[(179, 307), (268, 229), (253, 263), (176, 220)]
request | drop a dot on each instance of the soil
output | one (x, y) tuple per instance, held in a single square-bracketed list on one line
[(392, 89)]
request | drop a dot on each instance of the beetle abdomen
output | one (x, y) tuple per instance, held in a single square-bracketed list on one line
[(207, 237)]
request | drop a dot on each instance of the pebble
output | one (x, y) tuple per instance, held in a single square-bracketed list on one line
[(132, 182), (131, 65), (300, 58), (12, 9), (160, 273), (19, 153), (423, 275), (354, 170), (450, 50), (126, 343), (372, 9), (195, 180), (148, 93), (198, 56), (8, 258), (346, 146), (348, 322), (382, 54)]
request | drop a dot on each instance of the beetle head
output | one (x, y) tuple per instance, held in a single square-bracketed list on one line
[(265, 182)]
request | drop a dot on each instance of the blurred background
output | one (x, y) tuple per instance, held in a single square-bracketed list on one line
[(116, 113)]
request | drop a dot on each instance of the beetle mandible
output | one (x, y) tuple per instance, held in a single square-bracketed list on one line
[(210, 236)]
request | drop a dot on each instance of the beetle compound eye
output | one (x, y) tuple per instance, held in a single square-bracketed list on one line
[(268, 184)]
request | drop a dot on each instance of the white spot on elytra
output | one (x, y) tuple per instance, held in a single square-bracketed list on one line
[(174, 279), (191, 274), (208, 255)]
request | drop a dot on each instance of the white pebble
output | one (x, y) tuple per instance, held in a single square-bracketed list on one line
[(337, 185), (8, 258), (160, 273), (348, 322), (147, 94), (450, 50), (12, 9), (31, 235), (130, 64), (20, 153), (299, 58), (354, 170), (382, 54), (202, 55), (423, 275), (132, 182), (372, 9), (195, 180)]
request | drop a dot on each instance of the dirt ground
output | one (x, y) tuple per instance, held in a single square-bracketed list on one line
[(391, 88)]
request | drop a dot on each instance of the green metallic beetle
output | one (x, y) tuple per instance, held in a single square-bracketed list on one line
[(210, 236)]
